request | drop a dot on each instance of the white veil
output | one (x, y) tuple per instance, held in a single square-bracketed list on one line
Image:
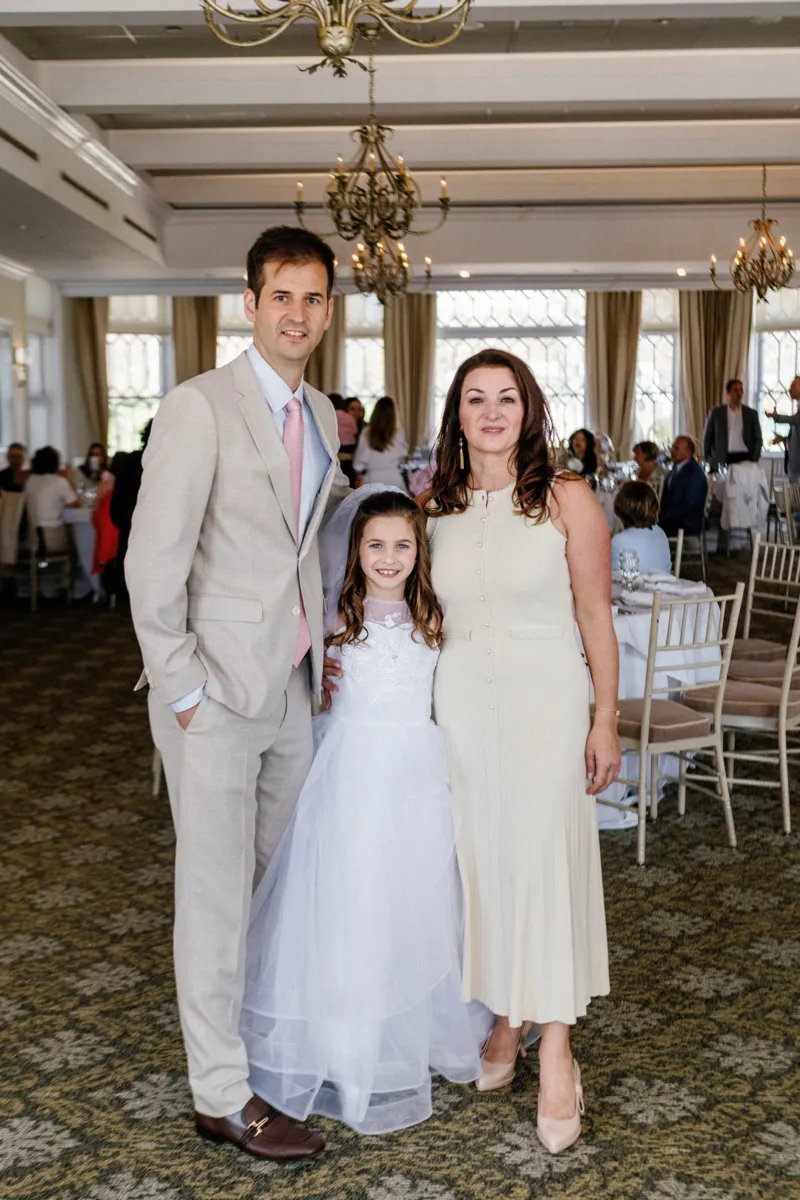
[(334, 541)]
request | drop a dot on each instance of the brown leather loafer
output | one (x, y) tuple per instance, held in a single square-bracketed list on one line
[(260, 1130)]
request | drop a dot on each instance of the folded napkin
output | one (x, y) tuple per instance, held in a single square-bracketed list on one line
[(679, 590), (637, 599), (657, 577)]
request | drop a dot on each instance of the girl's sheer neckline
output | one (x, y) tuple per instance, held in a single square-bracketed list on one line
[(386, 612)]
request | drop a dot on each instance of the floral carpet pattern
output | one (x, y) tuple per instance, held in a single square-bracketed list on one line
[(691, 1067)]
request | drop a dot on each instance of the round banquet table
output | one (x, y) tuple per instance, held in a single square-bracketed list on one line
[(83, 533), (677, 668)]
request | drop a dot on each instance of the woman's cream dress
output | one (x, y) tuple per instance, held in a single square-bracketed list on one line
[(511, 695)]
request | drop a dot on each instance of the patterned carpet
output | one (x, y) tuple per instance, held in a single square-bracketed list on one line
[(690, 1066)]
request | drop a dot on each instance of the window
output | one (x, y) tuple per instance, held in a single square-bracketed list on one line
[(6, 387), (138, 359), (38, 399), (235, 331), (364, 366), (656, 368), (545, 328), (777, 326)]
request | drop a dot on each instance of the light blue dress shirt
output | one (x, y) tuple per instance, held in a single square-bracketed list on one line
[(651, 545), (316, 460)]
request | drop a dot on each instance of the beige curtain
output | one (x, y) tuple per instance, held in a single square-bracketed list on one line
[(715, 330), (194, 332), (612, 339), (91, 328), (325, 368), (409, 346)]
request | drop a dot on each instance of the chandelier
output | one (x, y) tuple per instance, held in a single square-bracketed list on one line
[(338, 23), (375, 201), (762, 263)]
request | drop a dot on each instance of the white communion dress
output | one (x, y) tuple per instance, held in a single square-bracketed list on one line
[(353, 992)]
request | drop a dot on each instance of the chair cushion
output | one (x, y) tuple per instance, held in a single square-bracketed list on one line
[(751, 670), (744, 700), (758, 648), (669, 721)]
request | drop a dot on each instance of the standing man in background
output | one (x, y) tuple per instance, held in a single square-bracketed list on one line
[(792, 439), (733, 430)]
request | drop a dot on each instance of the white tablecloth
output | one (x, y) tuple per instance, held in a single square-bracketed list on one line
[(84, 535), (672, 668), (744, 496)]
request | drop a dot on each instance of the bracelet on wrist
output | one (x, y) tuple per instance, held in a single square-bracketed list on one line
[(614, 711)]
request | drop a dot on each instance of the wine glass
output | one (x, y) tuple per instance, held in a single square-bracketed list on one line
[(629, 567)]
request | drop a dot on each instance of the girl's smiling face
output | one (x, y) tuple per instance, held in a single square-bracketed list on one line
[(387, 555)]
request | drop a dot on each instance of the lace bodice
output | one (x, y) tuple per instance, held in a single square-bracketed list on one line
[(388, 676)]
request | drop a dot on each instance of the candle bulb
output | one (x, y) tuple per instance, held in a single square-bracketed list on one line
[(444, 189), (299, 193), (713, 260), (341, 165), (372, 160)]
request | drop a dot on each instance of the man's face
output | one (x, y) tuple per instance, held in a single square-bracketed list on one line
[(794, 388), (680, 451), (735, 395), (292, 313), (16, 458)]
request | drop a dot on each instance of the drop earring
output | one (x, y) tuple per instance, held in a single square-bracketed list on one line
[(461, 451)]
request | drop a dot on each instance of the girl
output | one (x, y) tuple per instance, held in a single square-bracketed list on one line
[(353, 991)]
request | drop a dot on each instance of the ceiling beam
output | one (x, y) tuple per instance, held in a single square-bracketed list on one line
[(713, 78)]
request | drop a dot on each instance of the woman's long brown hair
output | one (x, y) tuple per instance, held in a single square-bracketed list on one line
[(382, 428), (426, 612), (532, 462)]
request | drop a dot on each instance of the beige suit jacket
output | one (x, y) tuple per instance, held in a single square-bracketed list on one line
[(213, 567)]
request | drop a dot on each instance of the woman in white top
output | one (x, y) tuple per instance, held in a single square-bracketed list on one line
[(47, 493), (636, 507), (382, 446)]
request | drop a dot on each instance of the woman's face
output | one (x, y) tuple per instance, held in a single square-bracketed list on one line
[(491, 411), (579, 445), (356, 410)]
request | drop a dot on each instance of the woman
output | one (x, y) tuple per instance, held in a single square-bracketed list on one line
[(356, 411), (645, 455), (47, 493), (95, 464), (636, 508), (513, 548), (582, 454), (348, 436), (382, 446)]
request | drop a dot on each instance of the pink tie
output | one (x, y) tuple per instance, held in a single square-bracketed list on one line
[(293, 444)]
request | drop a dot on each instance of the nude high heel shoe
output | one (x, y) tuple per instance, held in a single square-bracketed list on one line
[(557, 1135), (500, 1075)]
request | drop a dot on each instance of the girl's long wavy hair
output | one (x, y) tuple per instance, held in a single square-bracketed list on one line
[(532, 461), (382, 428), (426, 612)]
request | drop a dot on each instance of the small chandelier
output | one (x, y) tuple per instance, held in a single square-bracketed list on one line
[(375, 201), (762, 263), (338, 23)]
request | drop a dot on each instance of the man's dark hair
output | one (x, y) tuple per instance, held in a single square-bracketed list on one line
[(287, 244), (16, 446), (45, 461), (690, 446), (730, 384)]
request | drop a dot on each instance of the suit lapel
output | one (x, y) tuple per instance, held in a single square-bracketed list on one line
[(258, 417)]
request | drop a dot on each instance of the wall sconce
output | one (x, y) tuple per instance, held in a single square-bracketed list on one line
[(20, 365)]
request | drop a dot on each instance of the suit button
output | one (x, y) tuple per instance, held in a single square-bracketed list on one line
[(296, 610)]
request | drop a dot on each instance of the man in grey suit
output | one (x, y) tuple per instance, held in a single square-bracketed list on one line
[(226, 596), (733, 430)]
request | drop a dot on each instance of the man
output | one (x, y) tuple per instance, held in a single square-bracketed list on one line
[(792, 440), (12, 479), (683, 500), (733, 430), (226, 597)]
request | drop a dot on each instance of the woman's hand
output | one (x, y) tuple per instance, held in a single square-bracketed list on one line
[(331, 669), (603, 755)]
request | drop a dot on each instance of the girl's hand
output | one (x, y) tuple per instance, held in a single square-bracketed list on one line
[(331, 668), (603, 755)]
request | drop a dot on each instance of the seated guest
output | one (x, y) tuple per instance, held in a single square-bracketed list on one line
[(91, 469), (645, 455), (348, 436), (12, 479), (582, 454), (683, 501), (382, 446), (792, 440), (47, 493), (636, 507), (733, 430)]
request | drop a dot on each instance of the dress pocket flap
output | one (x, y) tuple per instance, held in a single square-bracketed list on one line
[(535, 633), (224, 608), (461, 635)]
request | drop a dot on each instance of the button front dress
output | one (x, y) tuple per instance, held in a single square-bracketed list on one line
[(511, 695)]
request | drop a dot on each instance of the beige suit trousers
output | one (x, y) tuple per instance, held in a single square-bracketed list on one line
[(233, 784)]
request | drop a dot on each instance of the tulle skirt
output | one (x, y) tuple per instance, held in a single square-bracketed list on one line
[(353, 994)]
